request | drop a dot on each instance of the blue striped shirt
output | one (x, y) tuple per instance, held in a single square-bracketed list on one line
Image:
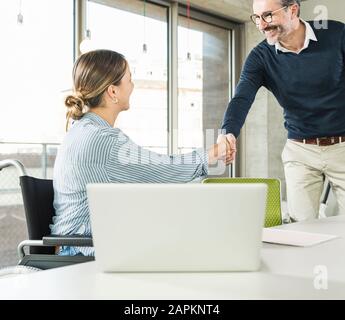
[(95, 152)]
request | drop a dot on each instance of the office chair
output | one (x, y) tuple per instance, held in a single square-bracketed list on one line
[(38, 196), (273, 215)]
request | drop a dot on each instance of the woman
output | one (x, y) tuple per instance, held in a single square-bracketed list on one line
[(94, 151)]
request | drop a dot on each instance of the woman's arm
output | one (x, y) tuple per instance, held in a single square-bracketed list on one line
[(130, 163)]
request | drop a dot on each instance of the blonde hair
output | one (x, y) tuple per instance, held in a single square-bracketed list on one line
[(93, 73)]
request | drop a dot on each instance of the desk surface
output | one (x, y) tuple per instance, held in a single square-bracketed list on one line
[(300, 262), (286, 273)]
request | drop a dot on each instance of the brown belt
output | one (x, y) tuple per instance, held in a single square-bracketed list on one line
[(325, 141)]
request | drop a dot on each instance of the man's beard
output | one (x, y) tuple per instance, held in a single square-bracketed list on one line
[(278, 32)]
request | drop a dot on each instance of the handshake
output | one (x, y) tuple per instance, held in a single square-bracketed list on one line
[(225, 149)]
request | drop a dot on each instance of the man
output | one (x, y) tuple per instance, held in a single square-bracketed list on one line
[(302, 64)]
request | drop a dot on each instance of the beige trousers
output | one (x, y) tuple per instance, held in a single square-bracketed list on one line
[(304, 166)]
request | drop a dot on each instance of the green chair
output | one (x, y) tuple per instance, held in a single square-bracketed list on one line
[(273, 215)]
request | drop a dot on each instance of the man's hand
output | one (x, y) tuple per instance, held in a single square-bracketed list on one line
[(230, 140)]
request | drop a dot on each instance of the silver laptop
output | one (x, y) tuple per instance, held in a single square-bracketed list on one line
[(177, 227)]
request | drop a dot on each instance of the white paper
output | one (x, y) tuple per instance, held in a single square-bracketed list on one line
[(294, 238)]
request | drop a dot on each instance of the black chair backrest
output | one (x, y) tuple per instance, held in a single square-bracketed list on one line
[(38, 196)]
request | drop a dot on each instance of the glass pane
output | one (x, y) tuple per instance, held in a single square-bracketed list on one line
[(36, 65), (124, 28), (203, 82)]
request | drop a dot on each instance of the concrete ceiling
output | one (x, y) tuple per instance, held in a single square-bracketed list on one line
[(237, 10)]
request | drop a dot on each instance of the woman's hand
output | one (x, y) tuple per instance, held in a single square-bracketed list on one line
[(220, 151), (231, 140)]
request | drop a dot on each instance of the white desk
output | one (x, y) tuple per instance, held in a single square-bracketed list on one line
[(300, 262), (286, 273)]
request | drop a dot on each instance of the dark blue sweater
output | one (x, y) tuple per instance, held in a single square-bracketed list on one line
[(310, 86)]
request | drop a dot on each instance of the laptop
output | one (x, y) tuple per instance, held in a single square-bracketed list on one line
[(177, 227)]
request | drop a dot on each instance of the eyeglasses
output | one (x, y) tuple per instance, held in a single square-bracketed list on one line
[(267, 16)]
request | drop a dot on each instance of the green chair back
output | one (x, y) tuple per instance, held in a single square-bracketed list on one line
[(273, 215)]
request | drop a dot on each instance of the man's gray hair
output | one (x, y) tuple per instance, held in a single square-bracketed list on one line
[(290, 2)]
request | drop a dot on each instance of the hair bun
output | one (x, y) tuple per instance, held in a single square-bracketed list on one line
[(75, 103)]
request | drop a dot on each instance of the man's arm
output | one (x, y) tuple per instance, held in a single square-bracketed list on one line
[(252, 78), (343, 44)]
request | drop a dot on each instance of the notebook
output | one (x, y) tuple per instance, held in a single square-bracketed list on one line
[(294, 238)]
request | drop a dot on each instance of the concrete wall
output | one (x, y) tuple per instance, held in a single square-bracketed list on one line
[(237, 10), (335, 9)]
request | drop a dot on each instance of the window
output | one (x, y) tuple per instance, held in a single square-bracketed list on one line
[(203, 71), (126, 27), (36, 64), (203, 81)]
